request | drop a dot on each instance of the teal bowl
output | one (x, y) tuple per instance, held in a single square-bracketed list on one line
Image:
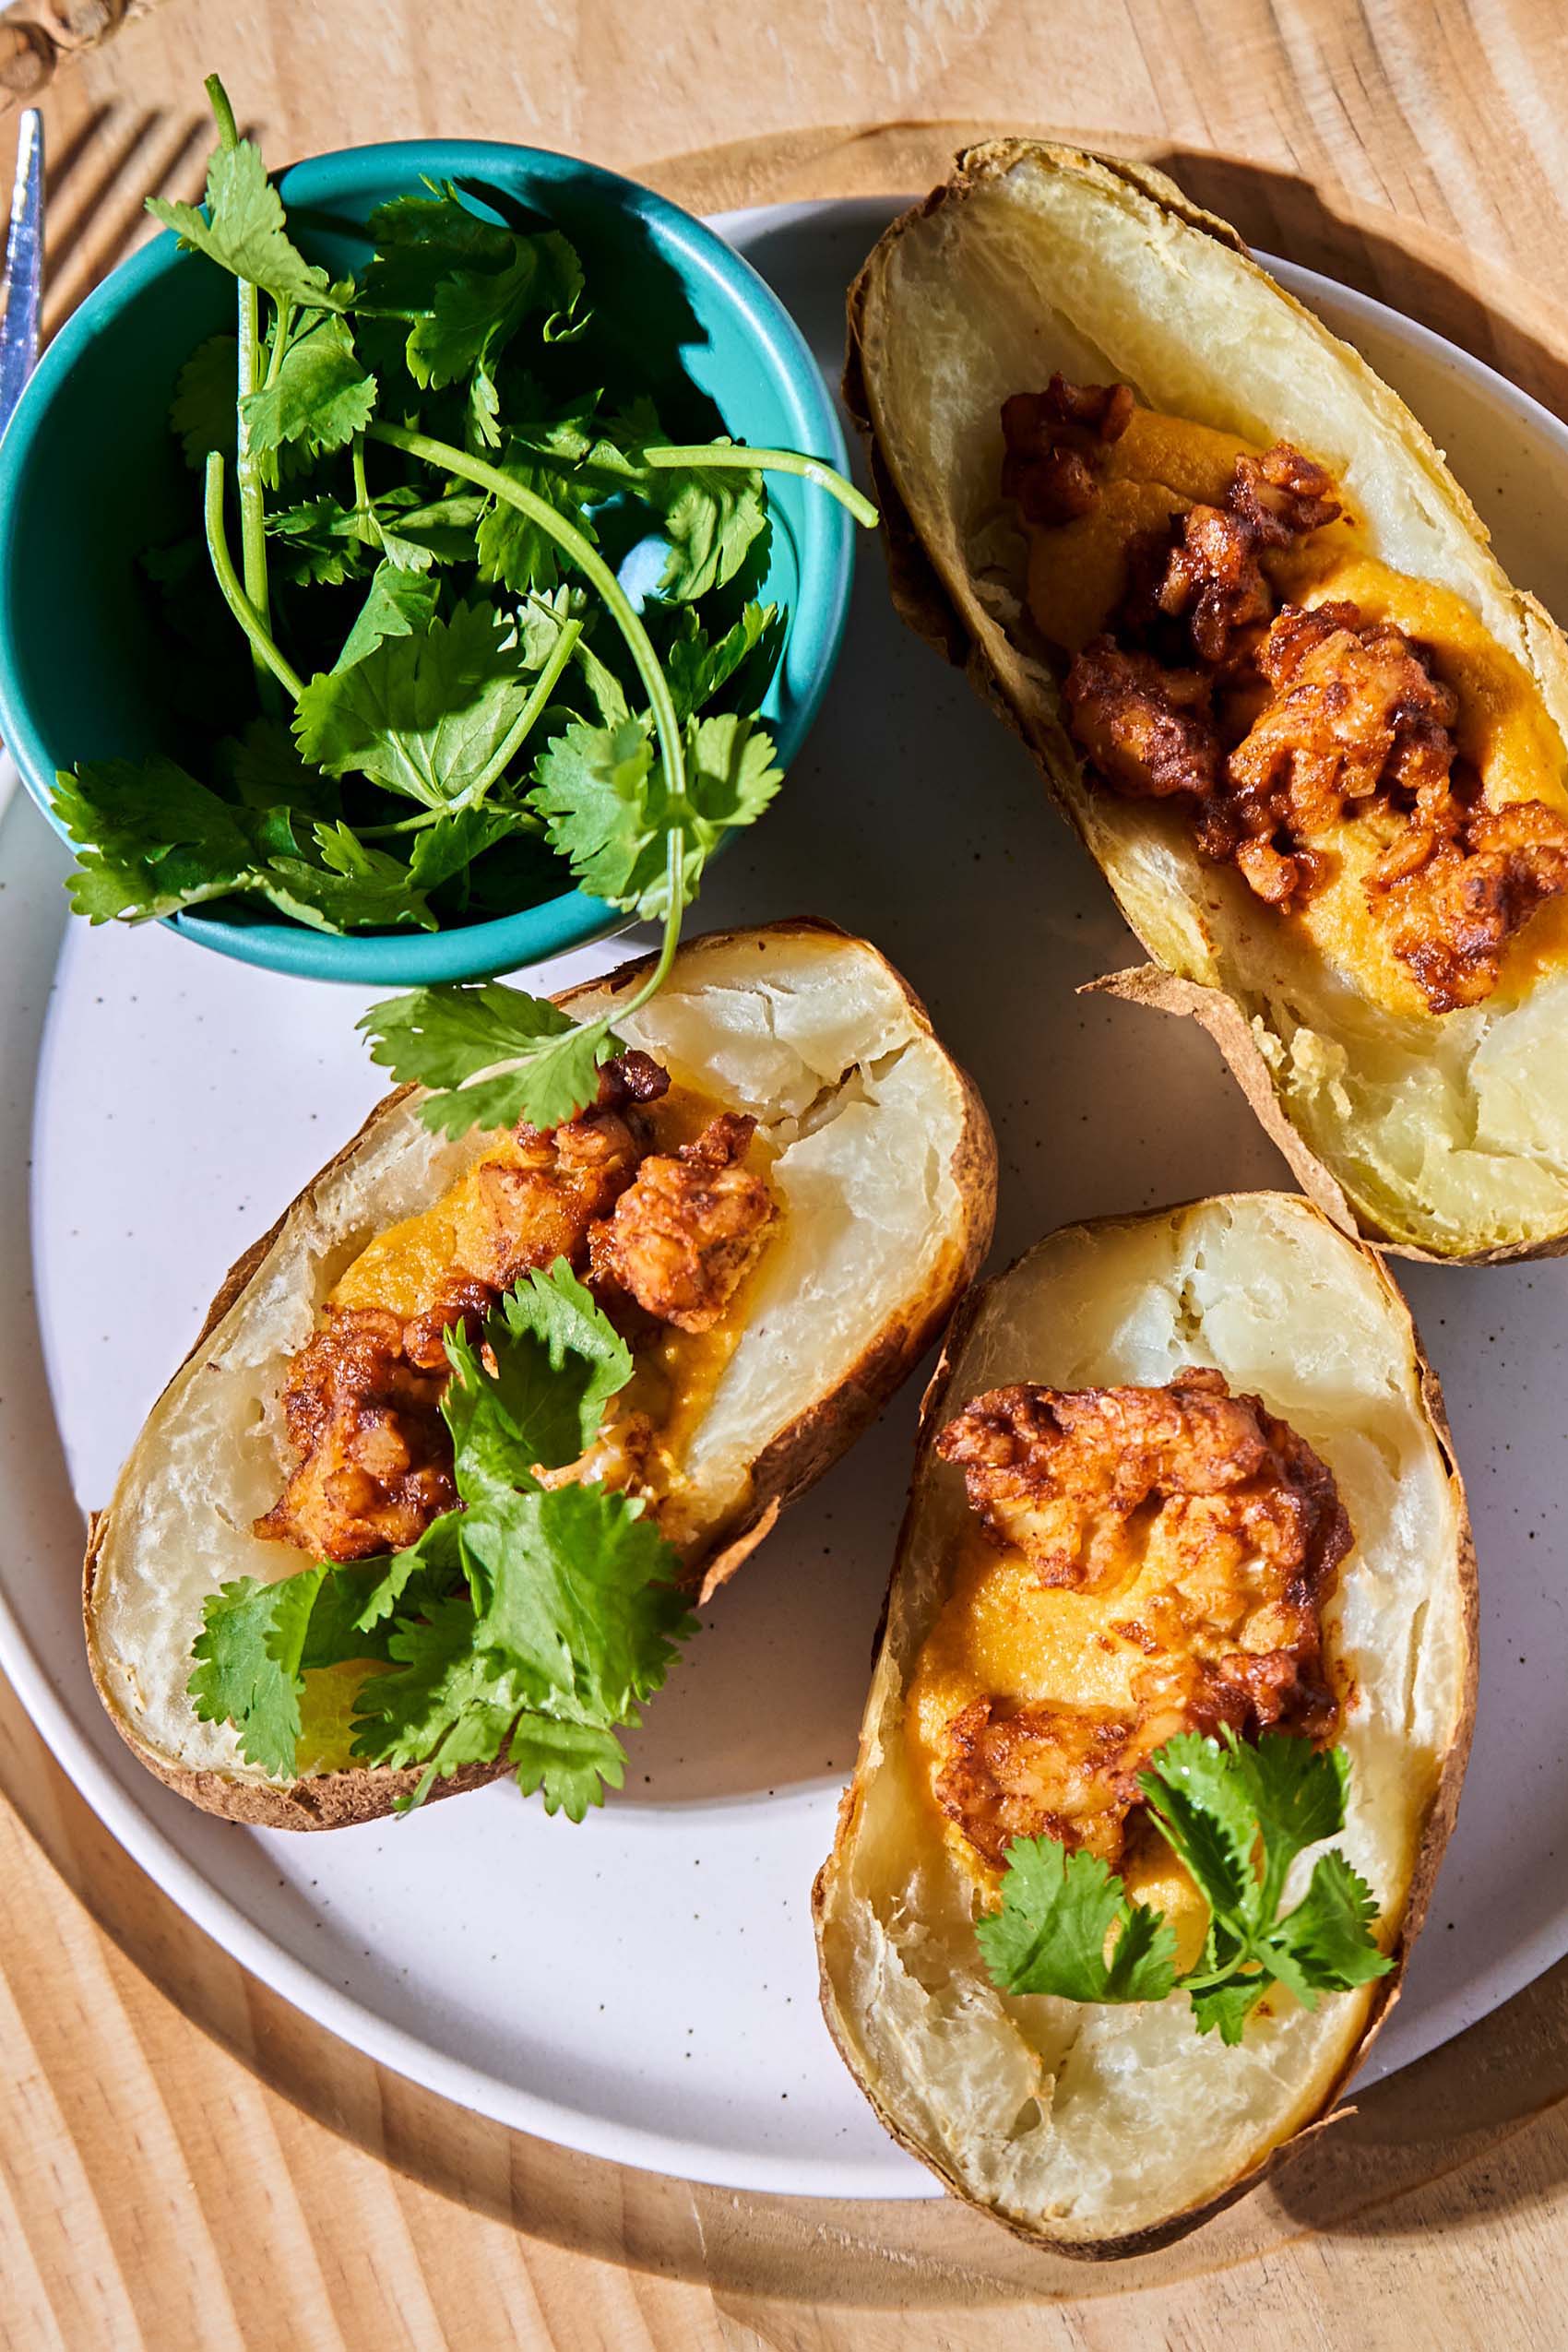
[(89, 476)]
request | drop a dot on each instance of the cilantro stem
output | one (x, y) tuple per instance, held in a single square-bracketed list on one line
[(674, 863), (588, 560), (366, 520), (263, 651), (674, 879), (511, 744), (252, 506), (673, 456)]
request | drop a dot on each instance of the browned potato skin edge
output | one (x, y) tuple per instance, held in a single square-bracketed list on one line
[(793, 1463), (1441, 1809), (923, 602)]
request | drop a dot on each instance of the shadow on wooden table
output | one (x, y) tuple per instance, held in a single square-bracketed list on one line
[(1476, 301), (1450, 2116), (1485, 309)]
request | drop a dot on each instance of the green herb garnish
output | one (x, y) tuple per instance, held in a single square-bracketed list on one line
[(435, 499), (1236, 1815), (529, 1624)]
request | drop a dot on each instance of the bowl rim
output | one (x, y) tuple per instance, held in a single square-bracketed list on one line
[(816, 622)]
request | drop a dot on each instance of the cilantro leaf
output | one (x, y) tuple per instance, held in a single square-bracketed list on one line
[(1058, 1912), (572, 1763), (452, 1040), (1297, 1802), (203, 414), (398, 604), (418, 532), (435, 1563), (450, 846), (355, 886), (558, 1360), (527, 1625), (1226, 2007), (698, 665), (322, 544), (264, 770), (244, 232), (711, 518), (581, 1605), (1329, 1932), (151, 839), (465, 283), (512, 548), (446, 1704), (608, 809), (318, 397), (248, 1656), (1203, 1809), (423, 715), (1236, 1815)]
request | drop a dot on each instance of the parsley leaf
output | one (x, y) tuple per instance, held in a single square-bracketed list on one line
[(1058, 1910), (1236, 1815), (245, 231), (482, 1049), (424, 715)]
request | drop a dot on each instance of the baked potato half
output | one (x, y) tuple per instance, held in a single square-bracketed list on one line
[(1097, 2127), (881, 1166), (1394, 1003)]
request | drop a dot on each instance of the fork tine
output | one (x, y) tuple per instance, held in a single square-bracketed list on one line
[(24, 266)]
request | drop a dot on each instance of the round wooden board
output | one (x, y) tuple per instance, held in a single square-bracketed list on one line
[(153, 2190)]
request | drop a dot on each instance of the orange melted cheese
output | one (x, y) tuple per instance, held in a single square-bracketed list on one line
[(407, 1268), (1162, 465), (1002, 1632)]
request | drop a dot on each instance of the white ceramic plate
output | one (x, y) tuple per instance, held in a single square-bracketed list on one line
[(643, 1987)]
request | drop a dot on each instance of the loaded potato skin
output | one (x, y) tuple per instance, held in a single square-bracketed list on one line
[(768, 1320), (1219, 580), (1005, 1703)]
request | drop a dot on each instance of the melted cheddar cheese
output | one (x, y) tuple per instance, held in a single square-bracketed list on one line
[(1160, 466), (1003, 1632)]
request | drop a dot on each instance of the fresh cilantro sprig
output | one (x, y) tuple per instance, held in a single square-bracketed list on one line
[(530, 1624), (1236, 1815), (439, 512)]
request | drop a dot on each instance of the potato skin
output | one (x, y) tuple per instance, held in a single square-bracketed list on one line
[(922, 600), (1440, 1817), (794, 1460)]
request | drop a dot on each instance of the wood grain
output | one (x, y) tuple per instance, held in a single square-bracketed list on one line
[(184, 2161)]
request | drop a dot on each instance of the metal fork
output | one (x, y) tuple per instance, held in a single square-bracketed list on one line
[(21, 284), (24, 267)]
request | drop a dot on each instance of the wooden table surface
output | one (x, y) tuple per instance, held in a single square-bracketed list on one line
[(185, 2161)]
